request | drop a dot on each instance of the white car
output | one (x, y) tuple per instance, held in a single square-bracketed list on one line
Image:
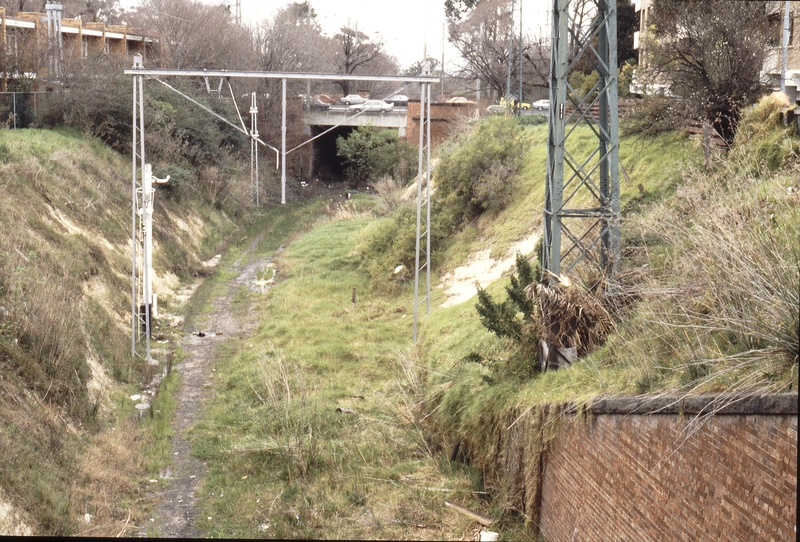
[(373, 105), (541, 104), (351, 99), (398, 99), (459, 100)]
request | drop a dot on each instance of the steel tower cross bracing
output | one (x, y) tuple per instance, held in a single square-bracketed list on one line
[(582, 201)]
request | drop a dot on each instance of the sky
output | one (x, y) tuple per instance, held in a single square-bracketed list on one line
[(402, 25)]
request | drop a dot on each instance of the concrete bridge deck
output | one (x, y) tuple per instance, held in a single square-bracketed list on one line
[(343, 116)]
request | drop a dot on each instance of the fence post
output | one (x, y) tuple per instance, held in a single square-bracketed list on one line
[(14, 100)]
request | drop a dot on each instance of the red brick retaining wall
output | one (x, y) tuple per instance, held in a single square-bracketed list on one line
[(444, 118), (664, 476)]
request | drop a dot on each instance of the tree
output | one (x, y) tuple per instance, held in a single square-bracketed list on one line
[(482, 39), (415, 69), (709, 54), (194, 35), (454, 9), (15, 6), (92, 10), (88, 10), (292, 41), (356, 53), (369, 154)]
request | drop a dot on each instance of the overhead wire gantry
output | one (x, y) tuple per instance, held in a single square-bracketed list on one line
[(142, 298)]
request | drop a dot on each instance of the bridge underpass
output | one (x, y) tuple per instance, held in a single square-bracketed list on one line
[(339, 121)]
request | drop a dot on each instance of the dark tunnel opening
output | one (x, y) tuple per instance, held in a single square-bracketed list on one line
[(327, 166)]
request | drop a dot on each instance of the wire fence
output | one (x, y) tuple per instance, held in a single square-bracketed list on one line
[(24, 109)]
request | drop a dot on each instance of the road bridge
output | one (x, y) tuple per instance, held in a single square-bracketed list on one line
[(341, 115)]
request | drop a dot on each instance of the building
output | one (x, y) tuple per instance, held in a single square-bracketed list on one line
[(35, 48)]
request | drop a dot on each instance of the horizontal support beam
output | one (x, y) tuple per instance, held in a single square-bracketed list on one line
[(282, 75)]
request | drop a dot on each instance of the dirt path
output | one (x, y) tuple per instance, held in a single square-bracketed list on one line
[(176, 513)]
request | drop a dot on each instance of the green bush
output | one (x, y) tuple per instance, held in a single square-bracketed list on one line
[(389, 242), (532, 120), (515, 318), (474, 175), (369, 154)]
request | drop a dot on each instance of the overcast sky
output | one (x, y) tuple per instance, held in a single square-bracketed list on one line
[(401, 24)]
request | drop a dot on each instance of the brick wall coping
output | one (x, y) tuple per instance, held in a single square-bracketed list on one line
[(737, 404)]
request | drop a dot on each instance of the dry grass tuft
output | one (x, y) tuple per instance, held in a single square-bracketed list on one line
[(719, 309), (103, 484), (390, 194), (572, 315)]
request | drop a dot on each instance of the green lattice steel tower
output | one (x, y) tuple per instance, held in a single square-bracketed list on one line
[(581, 217)]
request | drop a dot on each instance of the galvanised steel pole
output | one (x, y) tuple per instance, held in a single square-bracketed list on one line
[(135, 131), (283, 141), (554, 187), (609, 139), (423, 88), (428, 200)]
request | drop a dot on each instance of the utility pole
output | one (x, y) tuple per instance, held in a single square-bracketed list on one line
[(283, 141), (254, 146), (510, 51), (423, 236), (441, 69), (785, 44), (519, 94), (235, 9)]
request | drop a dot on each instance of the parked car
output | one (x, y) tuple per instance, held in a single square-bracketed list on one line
[(373, 105), (352, 99), (541, 104), (319, 105), (313, 102), (399, 100), (459, 100), (324, 98), (513, 103)]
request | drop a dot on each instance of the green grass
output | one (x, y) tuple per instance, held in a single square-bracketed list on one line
[(282, 461)]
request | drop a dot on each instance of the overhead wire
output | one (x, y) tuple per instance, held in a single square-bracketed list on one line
[(218, 116)]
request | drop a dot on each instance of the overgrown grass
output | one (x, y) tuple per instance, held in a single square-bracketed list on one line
[(315, 428), (711, 259)]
